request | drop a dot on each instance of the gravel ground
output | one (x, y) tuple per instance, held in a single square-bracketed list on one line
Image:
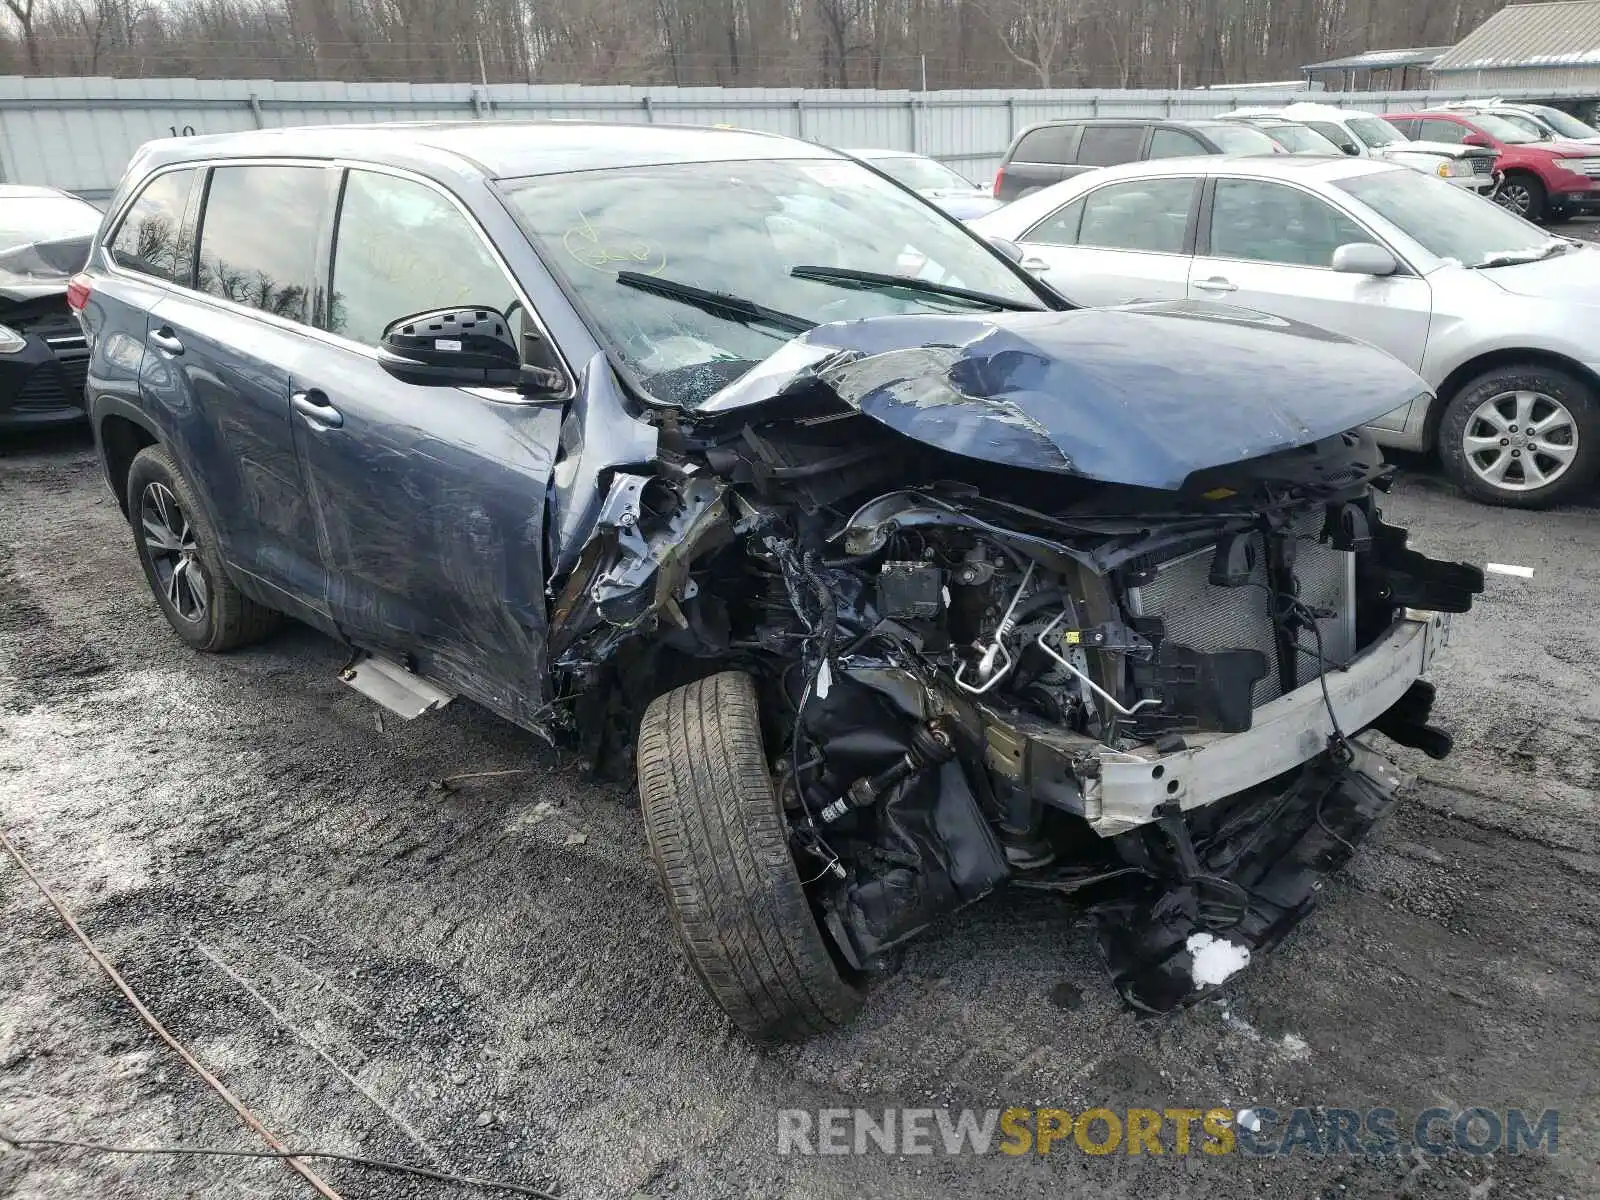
[(377, 965)]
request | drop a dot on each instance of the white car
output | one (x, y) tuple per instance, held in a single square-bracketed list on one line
[(1501, 318), (1366, 135)]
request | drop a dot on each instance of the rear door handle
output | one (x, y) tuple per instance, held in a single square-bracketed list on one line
[(165, 339), (314, 406), (1216, 284)]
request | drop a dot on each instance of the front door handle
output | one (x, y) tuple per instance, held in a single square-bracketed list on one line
[(315, 407), (165, 339), (1216, 284), (1037, 265)]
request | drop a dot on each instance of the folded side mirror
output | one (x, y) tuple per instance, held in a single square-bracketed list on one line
[(1364, 258), (453, 347), (1476, 139), (1350, 148)]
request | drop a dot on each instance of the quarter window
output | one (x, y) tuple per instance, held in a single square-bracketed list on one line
[(258, 238), (1146, 214), (1267, 222), (1047, 144), (152, 239), (1108, 145), (401, 249)]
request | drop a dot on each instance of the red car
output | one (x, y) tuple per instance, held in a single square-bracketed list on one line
[(1543, 178)]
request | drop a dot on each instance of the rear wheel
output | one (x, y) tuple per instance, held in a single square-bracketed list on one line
[(178, 550), (720, 842), (1523, 195), (1524, 436)]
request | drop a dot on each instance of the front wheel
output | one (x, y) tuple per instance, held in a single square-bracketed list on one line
[(1523, 436), (1523, 195), (720, 842)]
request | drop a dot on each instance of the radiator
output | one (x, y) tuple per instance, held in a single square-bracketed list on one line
[(1198, 614)]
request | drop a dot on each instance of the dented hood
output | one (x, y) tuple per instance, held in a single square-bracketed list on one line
[(1142, 394)]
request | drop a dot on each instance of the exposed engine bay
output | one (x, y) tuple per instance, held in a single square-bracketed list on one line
[(953, 673), (979, 664)]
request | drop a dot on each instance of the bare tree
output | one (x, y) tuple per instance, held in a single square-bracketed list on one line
[(1032, 31)]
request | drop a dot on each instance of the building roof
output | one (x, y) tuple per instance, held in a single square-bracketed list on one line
[(1373, 60), (1566, 34)]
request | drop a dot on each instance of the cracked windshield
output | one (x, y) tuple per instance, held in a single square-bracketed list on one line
[(690, 270)]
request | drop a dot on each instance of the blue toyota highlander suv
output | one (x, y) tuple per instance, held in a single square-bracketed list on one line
[(895, 577)]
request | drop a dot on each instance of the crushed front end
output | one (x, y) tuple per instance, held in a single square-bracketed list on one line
[(979, 669)]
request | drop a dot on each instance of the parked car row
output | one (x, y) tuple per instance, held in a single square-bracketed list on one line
[(44, 238), (905, 577), (1496, 314)]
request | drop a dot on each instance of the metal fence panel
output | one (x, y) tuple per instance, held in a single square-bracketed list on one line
[(79, 133)]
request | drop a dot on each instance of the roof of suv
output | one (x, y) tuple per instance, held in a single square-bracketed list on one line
[(501, 149)]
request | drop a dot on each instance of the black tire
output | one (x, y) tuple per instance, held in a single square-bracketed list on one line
[(1575, 395), (225, 618), (1524, 195), (718, 838)]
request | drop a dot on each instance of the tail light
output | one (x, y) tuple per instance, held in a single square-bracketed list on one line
[(998, 176), (78, 292)]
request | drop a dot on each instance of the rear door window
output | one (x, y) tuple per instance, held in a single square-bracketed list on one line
[(1441, 131), (402, 248), (152, 239), (1145, 214), (1047, 144), (258, 237), (1174, 143), (1109, 145)]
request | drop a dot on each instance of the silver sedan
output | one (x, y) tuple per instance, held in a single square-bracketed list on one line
[(1501, 318)]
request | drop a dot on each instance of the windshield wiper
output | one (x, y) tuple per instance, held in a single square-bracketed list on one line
[(873, 281), (1512, 258), (720, 304)]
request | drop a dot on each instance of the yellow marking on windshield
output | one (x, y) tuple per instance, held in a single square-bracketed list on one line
[(601, 252)]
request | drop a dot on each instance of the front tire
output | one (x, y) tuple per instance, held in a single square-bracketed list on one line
[(719, 840), (1522, 436), (1524, 195), (178, 549)]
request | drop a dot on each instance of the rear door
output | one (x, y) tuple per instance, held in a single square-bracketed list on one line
[(428, 501), (1125, 241), (221, 354), (1268, 246)]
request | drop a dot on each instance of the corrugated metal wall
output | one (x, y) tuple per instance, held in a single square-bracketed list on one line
[(1547, 80), (79, 133)]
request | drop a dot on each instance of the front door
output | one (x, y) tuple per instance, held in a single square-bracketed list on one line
[(1122, 242), (1269, 246), (428, 502)]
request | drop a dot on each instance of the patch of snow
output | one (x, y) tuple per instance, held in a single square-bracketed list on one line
[(1215, 959), (1295, 1046)]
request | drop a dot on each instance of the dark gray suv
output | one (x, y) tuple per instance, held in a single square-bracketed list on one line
[(1057, 150), (894, 578)]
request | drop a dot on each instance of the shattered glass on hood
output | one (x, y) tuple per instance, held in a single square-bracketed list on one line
[(1143, 394)]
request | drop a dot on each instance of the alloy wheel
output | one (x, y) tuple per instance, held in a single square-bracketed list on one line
[(1517, 197), (1520, 440), (170, 541)]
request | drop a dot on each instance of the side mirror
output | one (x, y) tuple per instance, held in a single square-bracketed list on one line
[(1477, 139), (453, 347), (1008, 248), (1364, 258), (1350, 148)]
